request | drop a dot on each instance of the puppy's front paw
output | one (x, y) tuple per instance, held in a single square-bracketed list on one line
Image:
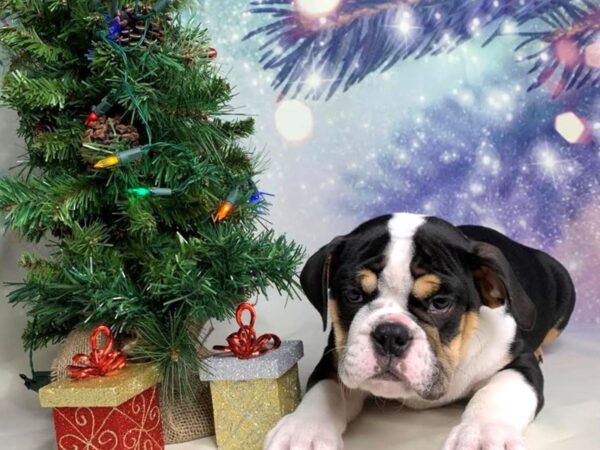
[(304, 432), (484, 435)]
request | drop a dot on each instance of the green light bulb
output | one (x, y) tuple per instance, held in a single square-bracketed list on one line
[(139, 191), (155, 191)]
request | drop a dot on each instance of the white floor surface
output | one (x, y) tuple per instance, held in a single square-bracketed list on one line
[(570, 420)]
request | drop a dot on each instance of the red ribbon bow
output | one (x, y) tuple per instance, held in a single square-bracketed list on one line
[(101, 361), (243, 343)]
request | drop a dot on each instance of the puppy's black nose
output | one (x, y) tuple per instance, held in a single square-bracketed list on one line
[(391, 339)]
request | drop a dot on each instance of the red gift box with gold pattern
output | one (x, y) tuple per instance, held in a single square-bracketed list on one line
[(116, 412)]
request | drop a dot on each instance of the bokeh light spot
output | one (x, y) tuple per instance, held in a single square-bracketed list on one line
[(567, 52), (570, 127), (294, 121), (592, 55), (317, 8)]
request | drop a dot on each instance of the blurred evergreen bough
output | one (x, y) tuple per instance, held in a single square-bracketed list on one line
[(317, 55), (147, 266)]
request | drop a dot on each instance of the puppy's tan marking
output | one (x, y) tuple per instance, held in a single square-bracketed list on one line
[(367, 280), (491, 288), (539, 354), (426, 285), (551, 336), (433, 336), (339, 334), (452, 353), (458, 346)]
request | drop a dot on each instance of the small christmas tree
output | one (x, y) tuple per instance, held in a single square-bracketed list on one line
[(145, 191)]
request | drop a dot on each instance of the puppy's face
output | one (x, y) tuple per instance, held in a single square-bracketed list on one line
[(404, 294)]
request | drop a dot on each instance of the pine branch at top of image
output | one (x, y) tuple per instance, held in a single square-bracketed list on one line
[(137, 174), (569, 57), (318, 47)]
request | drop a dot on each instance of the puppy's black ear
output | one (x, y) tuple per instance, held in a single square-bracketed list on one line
[(316, 275), (498, 284)]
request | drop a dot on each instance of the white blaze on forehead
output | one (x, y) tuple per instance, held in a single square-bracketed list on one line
[(396, 277), (358, 362)]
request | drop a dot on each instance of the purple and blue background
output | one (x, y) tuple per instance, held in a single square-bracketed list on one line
[(454, 135)]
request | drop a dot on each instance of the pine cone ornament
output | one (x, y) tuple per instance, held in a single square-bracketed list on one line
[(40, 127), (110, 130), (129, 28)]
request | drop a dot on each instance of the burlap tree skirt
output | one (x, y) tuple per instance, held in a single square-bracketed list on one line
[(183, 418)]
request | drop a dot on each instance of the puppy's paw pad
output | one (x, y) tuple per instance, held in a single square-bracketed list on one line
[(304, 433), (476, 435)]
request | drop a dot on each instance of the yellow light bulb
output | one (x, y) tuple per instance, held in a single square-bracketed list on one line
[(109, 161)]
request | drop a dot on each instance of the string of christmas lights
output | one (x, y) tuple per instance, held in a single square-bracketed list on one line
[(101, 109), (123, 157)]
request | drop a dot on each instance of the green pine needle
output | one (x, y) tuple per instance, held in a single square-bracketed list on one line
[(168, 342)]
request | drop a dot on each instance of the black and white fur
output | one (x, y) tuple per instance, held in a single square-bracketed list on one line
[(429, 313)]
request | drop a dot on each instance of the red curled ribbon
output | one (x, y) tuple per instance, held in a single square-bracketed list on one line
[(243, 343), (101, 361)]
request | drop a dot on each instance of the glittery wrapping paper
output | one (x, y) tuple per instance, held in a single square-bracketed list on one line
[(269, 365), (111, 391), (246, 410), (133, 425)]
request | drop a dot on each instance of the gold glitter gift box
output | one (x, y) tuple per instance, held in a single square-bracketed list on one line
[(250, 395), (115, 412)]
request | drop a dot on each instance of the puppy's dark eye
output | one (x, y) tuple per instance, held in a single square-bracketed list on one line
[(440, 305), (354, 296)]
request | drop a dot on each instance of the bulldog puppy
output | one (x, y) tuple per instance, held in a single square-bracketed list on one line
[(428, 313)]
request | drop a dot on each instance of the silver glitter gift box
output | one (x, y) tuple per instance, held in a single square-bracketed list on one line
[(251, 395)]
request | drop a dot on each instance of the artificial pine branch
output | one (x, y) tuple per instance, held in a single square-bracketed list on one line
[(563, 57), (28, 41), (173, 347), (21, 91), (57, 146), (318, 56)]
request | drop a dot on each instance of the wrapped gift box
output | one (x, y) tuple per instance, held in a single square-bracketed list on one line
[(115, 412), (251, 395)]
